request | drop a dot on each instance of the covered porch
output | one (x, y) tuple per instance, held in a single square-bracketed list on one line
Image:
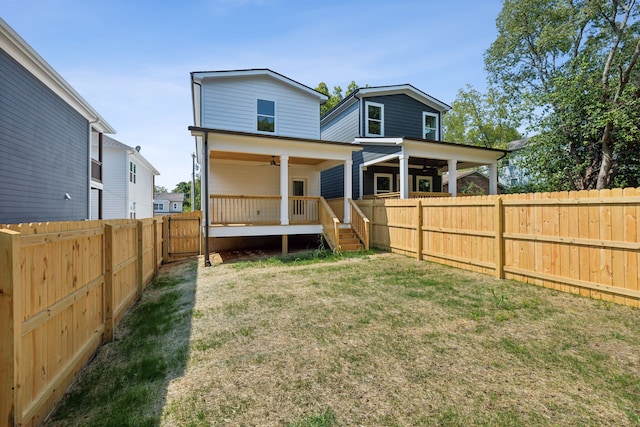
[(412, 168), (264, 185)]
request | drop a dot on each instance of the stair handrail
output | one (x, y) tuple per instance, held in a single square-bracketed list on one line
[(360, 224), (330, 225)]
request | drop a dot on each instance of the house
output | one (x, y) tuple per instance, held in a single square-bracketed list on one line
[(127, 183), (258, 140), (470, 182), (399, 129), (167, 203), (46, 128)]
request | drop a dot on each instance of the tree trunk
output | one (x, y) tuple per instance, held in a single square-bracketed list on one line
[(607, 156)]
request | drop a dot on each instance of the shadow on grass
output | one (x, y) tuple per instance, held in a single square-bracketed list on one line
[(301, 258), (126, 383)]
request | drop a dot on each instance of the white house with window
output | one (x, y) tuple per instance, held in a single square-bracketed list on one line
[(258, 141), (127, 182), (168, 203)]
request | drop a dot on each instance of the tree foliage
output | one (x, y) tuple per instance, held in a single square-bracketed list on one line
[(336, 96), (185, 188), (485, 120), (573, 64)]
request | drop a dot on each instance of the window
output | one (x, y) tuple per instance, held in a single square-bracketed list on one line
[(266, 116), (158, 206), (132, 172), (424, 184), (175, 206), (374, 119), (382, 183), (298, 187), (430, 122)]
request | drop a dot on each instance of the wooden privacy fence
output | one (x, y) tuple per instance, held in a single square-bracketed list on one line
[(63, 288), (582, 242)]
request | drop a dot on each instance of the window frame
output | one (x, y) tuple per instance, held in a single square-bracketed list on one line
[(258, 115), (424, 125), (367, 119), (375, 183), (132, 172), (426, 178)]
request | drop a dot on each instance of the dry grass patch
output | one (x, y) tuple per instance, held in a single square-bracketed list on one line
[(388, 340)]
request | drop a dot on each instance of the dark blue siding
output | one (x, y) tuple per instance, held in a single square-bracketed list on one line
[(402, 115), (44, 151), (332, 182)]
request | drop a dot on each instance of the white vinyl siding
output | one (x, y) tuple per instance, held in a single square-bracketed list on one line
[(115, 179), (343, 128), (230, 104)]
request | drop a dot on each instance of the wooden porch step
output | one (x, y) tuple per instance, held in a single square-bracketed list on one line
[(349, 241)]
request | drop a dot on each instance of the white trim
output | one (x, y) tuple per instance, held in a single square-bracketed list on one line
[(375, 182), (405, 89), (304, 181), (275, 117), (424, 127), (366, 118), (426, 178), (266, 230), (381, 160)]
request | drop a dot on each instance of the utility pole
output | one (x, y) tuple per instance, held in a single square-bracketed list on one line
[(193, 182)]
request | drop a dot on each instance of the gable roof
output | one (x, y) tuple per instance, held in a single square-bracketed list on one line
[(26, 56), (198, 76), (403, 89), (171, 197), (110, 142)]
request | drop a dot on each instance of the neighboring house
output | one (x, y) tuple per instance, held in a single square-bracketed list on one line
[(127, 183), (399, 128), (470, 182), (167, 203), (513, 174), (258, 141), (46, 128)]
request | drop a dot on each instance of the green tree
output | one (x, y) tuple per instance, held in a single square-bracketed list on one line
[(185, 188), (160, 189), (573, 65), (485, 120), (336, 96)]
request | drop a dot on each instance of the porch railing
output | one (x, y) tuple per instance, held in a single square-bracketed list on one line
[(245, 210), (330, 224), (359, 224), (412, 195), (303, 210), (337, 206)]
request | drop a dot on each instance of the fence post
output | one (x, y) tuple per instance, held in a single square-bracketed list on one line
[(155, 247), (165, 238), (108, 283), (419, 230), (10, 326), (140, 274), (499, 219)]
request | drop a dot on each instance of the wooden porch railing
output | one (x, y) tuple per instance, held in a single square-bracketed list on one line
[(330, 224), (412, 195), (303, 210), (245, 210), (337, 206), (360, 224)]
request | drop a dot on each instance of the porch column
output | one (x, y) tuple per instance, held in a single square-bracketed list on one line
[(284, 189), (453, 182), (348, 189), (493, 178), (404, 176)]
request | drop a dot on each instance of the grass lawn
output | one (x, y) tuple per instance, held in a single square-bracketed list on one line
[(371, 340)]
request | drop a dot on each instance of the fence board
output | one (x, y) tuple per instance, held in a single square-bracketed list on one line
[(582, 242)]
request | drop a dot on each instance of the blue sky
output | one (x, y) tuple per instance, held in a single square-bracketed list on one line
[(131, 59)]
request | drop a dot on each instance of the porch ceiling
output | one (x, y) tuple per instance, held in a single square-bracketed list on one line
[(262, 158)]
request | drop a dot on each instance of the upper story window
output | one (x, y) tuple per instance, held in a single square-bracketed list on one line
[(430, 123), (266, 116), (132, 172), (374, 119)]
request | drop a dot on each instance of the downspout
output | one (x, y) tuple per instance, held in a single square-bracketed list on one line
[(127, 179), (205, 219)]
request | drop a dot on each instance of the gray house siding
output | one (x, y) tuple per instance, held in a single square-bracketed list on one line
[(44, 151), (402, 115), (342, 128), (332, 182)]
